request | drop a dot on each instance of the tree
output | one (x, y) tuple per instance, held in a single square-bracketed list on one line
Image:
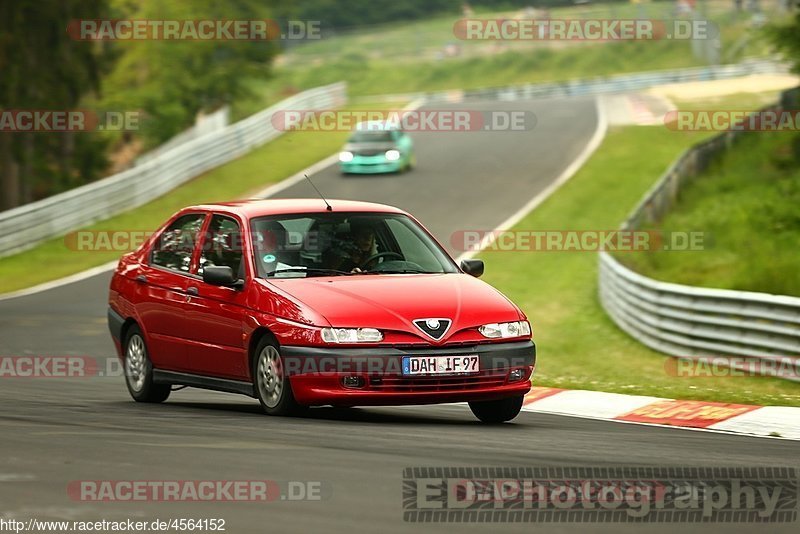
[(42, 69), (787, 38), (171, 81)]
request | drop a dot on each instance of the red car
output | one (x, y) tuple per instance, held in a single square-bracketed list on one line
[(298, 303)]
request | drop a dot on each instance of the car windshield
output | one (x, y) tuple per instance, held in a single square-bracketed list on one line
[(372, 136), (344, 244)]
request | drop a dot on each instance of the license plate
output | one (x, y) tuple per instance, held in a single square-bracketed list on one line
[(440, 365)]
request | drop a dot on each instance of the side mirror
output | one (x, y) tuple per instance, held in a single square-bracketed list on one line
[(220, 275), (472, 267)]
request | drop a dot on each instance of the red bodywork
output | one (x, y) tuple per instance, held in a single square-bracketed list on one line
[(202, 330)]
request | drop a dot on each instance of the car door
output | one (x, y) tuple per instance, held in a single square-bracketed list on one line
[(161, 290), (216, 315)]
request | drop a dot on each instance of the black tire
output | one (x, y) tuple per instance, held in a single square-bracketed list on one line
[(497, 411), (139, 370), (268, 376)]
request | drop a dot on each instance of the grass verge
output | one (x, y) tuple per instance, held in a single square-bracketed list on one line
[(579, 346), (746, 205), (409, 57)]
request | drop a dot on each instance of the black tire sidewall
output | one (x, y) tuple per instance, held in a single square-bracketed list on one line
[(497, 411)]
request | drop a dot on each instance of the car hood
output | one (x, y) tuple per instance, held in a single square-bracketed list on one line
[(393, 301)]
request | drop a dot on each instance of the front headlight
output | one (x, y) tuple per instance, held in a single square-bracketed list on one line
[(345, 157), (502, 330), (351, 335), (392, 155)]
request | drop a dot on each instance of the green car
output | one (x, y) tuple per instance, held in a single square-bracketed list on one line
[(377, 147)]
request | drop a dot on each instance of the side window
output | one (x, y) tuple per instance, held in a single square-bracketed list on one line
[(174, 247), (411, 246), (223, 245)]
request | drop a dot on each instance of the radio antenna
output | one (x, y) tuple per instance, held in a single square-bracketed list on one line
[(328, 206)]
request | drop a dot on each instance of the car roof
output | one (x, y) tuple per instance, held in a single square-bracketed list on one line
[(261, 207)]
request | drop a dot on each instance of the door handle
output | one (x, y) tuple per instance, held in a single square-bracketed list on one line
[(192, 291), (142, 279)]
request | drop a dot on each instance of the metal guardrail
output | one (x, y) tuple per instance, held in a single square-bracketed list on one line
[(27, 225), (695, 322), (203, 125), (600, 85)]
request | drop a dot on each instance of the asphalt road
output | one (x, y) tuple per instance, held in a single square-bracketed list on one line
[(55, 431)]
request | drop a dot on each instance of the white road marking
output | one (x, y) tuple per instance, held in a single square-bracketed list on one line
[(71, 279)]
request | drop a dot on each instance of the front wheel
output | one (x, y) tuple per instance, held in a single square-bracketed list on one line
[(139, 370), (272, 383), (412, 162), (497, 411)]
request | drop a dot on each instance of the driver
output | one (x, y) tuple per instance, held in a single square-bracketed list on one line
[(354, 250)]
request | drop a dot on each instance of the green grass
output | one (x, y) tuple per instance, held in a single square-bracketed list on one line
[(400, 58), (286, 155), (747, 206), (367, 77), (579, 346)]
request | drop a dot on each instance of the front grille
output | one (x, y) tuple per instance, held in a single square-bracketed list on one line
[(410, 384), (369, 152)]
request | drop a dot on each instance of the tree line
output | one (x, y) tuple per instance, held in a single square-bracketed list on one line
[(43, 67)]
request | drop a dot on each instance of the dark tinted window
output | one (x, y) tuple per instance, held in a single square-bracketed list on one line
[(319, 244), (372, 136), (175, 245), (223, 245)]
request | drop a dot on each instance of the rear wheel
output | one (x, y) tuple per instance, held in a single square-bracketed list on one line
[(497, 411), (139, 370), (272, 383)]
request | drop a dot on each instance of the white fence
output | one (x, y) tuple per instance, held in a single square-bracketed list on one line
[(737, 328), (204, 124), (27, 225)]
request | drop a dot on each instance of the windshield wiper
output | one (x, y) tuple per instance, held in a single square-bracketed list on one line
[(307, 270), (400, 271)]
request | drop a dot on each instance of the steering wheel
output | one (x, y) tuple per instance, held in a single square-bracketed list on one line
[(363, 264)]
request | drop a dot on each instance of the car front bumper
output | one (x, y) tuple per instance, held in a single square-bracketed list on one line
[(370, 165), (317, 373)]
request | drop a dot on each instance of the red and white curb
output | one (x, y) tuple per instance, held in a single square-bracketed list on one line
[(766, 421)]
